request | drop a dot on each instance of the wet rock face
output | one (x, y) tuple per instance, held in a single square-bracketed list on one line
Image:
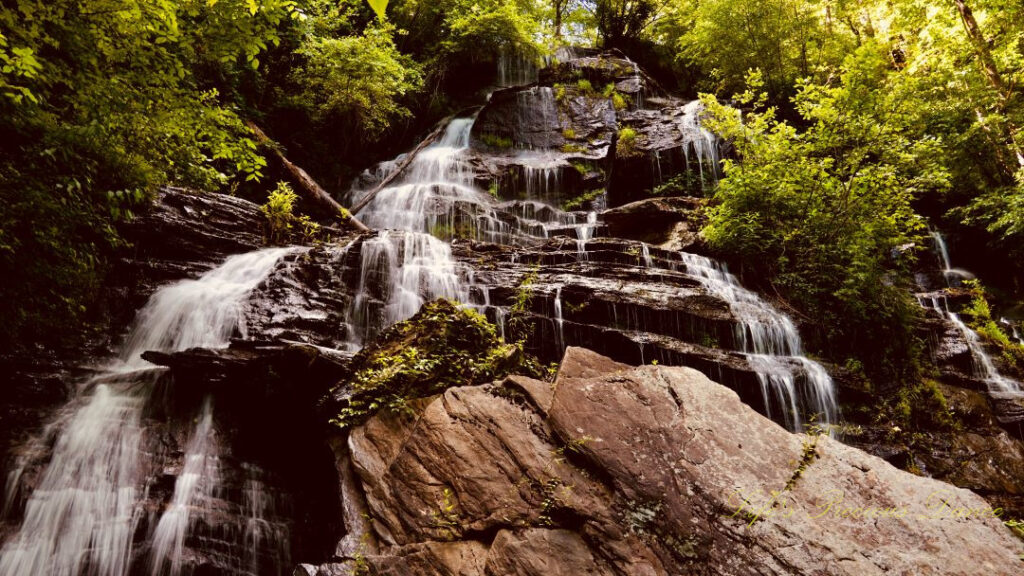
[(673, 222), (574, 117), (184, 233), (669, 148), (649, 470), (181, 235), (276, 495), (308, 297)]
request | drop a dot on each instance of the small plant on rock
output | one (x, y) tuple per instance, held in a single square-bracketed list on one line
[(279, 211), (627, 142)]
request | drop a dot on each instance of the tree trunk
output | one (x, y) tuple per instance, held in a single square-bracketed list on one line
[(307, 186), (558, 17), (991, 72)]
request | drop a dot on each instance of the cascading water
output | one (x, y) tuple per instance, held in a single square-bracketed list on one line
[(438, 193), (398, 273), (701, 142), (195, 483), (559, 320), (516, 69), (984, 368), (952, 275), (434, 189), (82, 517), (773, 346)]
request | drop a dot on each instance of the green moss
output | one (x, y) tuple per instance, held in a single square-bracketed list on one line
[(441, 346), (584, 86), (582, 167), (579, 201), (627, 141), (569, 134), (619, 101), (449, 232), (559, 92), (496, 141), (571, 148), (807, 457)]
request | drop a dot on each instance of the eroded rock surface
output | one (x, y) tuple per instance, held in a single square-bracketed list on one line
[(650, 470)]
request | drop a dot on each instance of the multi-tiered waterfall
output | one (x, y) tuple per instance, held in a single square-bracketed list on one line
[(439, 193), (983, 366), (484, 224), (82, 516)]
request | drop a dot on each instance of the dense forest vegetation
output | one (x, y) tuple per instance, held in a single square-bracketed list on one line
[(861, 122)]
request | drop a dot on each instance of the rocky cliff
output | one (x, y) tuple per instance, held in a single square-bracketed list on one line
[(613, 469), (660, 447)]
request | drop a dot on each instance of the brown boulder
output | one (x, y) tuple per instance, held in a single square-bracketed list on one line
[(649, 470)]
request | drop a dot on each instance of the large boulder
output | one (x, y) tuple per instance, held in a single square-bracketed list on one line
[(649, 470)]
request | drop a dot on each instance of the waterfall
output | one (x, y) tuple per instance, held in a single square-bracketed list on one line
[(773, 346), (260, 535), (515, 69), (585, 232), (559, 321), (952, 275), (438, 197), (983, 367), (432, 188), (195, 483), (1016, 333), (83, 515), (703, 143), (400, 271)]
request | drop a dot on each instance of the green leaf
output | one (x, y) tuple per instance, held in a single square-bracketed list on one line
[(379, 6)]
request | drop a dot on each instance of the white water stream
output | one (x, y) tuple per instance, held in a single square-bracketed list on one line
[(82, 517), (983, 366)]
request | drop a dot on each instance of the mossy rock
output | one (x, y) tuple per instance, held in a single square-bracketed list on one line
[(442, 346)]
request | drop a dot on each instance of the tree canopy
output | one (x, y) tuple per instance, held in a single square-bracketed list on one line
[(854, 122)]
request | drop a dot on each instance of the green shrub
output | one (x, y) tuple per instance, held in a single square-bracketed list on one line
[(820, 214), (279, 211), (518, 312), (688, 183), (979, 317), (443, 345)]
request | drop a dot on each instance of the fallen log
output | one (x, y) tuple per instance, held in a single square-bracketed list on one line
[(307, 185), (401, 166)]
